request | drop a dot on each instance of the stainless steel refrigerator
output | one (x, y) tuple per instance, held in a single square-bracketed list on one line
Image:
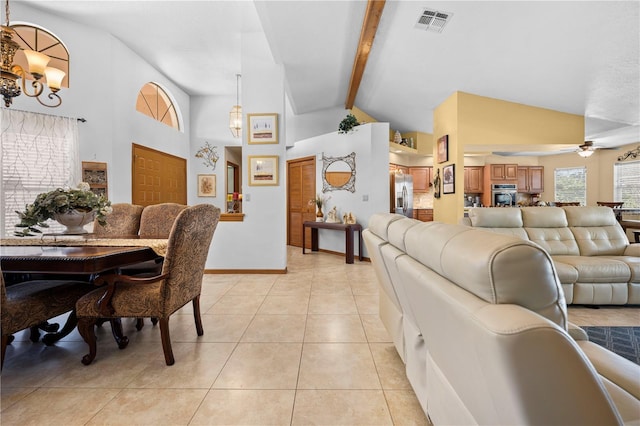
[(402, 194)]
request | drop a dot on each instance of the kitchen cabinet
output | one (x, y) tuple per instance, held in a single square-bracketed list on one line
[(473, 179), (504, 172), (398, 167), (421, 178), (531, 179), (424, 215)]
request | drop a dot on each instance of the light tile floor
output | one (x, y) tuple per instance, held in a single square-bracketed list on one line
[(302, 348), (306, 347)]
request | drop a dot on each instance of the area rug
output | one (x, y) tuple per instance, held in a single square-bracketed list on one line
[(625, 341)]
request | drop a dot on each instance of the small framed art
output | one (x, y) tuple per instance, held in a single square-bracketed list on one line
[(449, 179), (263, 128), (443, 149), (206, 185), (263, 170)]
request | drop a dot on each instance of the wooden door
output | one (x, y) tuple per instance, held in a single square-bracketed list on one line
[(301, 187), (158, 177)]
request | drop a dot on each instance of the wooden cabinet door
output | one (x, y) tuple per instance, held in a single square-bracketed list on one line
[(523, 179), (536, 179), (511, 171), (497, 171), (420, 178), (531, 179), (473, 179), (504, 172)]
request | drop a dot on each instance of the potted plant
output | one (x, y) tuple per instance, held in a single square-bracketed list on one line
[(348, 123), (80, 205), (319, 201)]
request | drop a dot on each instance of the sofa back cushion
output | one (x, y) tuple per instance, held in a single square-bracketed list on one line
[(499, 269), (502, 220), (548, 227), (596, 230)]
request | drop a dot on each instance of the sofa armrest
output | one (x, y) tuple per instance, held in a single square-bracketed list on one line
[(576, 332), (632, 250)]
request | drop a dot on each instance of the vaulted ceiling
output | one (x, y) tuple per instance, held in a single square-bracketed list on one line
[(579, 57)]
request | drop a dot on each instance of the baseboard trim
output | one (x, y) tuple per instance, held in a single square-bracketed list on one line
[(245, 271)]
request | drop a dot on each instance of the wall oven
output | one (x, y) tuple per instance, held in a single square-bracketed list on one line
[(504, 194)]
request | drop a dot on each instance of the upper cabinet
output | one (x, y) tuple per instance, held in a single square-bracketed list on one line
[(473, 179), (421, 178), (504, 172), (531, 179), (398, 168)]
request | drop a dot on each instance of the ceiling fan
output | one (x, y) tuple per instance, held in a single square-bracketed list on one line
[(588, 148)]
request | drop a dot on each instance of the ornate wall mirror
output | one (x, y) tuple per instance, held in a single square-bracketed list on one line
[(339, 173)]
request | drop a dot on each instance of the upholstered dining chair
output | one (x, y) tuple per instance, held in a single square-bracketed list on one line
[(29, 303), (123, 220), (156, 221), (160, 296)]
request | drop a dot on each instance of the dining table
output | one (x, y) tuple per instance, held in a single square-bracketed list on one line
[(80, 256)]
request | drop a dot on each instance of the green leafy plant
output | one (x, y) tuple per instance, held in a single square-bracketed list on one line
[(348, 123), (61, 200)]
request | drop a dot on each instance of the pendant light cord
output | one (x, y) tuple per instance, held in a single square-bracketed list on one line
[(6, 12)]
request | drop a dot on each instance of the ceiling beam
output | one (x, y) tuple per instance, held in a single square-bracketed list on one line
[(367, 34)]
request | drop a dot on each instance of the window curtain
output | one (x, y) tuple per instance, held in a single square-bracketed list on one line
[(40, 152)]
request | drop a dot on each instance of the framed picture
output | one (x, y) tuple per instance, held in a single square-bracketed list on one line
[(263, 128), (449, 179), (443, 149), (206, 185), (263, 170)]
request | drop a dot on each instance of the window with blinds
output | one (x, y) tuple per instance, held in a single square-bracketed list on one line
[(571, 185), (626, 183), (39, 153)]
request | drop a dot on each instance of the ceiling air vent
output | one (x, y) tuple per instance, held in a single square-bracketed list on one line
[(433, 20)]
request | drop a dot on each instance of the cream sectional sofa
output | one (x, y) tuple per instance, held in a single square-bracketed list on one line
[(594, 260), (480, 320)]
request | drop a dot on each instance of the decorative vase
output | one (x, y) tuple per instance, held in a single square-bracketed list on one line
[(75, 220), (319, 215)]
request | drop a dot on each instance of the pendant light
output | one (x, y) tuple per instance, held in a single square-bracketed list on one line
[(37, 69), (235, 116)]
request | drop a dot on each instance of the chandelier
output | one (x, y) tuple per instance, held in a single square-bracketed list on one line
[(235, 116), (37, 61)]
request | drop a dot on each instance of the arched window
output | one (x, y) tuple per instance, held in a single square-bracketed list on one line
[(156, 103)]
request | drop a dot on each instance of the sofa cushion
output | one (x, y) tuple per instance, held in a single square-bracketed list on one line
[(379, 224), (544, 217), (498, 268), (398, 229), (495, 218), (547, 226), (502, 221), (597, 231), (597, 269)]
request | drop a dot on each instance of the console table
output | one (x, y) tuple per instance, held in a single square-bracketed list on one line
[(348, 235)]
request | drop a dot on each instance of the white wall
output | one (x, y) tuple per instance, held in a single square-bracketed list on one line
[(371, 145), (105, 77)]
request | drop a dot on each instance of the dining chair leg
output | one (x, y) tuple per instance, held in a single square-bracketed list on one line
[(34, 333), (86, 328), (166, 341), (5, 342), (139, 323), (196, 315), (118, 335)]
